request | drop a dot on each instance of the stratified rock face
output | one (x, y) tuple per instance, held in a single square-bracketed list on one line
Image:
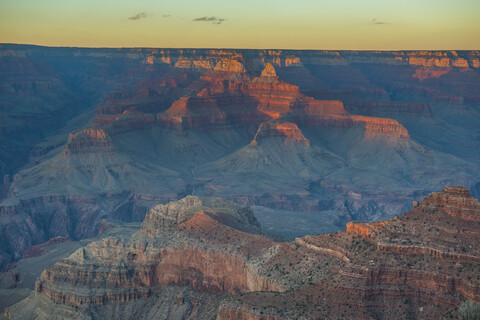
[(184, 243), (89, 141), (280, 128), (454, 201), (375, 127), (422, 264)]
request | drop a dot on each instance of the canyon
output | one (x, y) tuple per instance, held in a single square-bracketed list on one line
[(203, 257), (311, 140)]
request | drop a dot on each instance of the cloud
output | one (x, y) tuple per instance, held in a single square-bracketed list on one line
[(139, 16), (376, 21), (212, 19)]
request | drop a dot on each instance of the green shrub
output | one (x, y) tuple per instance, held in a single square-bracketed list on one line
[(470, 311)]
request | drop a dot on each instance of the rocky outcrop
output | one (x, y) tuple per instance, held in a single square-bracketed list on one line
[(268, 71), (454, 201), (279, 128), (229, 65), (199, 251), (186, 243), (382, 127), (427, 73), (174, 213), (89, 141)]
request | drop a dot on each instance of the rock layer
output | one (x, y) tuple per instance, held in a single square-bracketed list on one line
[(414, 265)]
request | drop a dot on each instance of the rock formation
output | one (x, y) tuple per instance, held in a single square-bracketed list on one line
[(186, 243), (89, 134), (280, 128), (421, 264)]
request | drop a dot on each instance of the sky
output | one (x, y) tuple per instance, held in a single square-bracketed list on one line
[(255, 24)]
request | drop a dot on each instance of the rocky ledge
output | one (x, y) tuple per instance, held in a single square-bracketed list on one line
[(422, 264)]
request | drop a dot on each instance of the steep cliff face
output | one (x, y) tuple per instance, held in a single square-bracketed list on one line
[(89, 141), (422, 264), (279, 128), (375, 127), (200, 251)]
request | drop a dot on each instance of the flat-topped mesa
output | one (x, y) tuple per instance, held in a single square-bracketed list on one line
[(287, 130), (455, 201), (381, 127), (89, 141), (310, 112), (129, 271)]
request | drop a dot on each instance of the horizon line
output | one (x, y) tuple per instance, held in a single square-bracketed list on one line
[(222, 48)]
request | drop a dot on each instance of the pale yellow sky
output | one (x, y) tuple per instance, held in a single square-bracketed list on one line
[(302, 24)]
